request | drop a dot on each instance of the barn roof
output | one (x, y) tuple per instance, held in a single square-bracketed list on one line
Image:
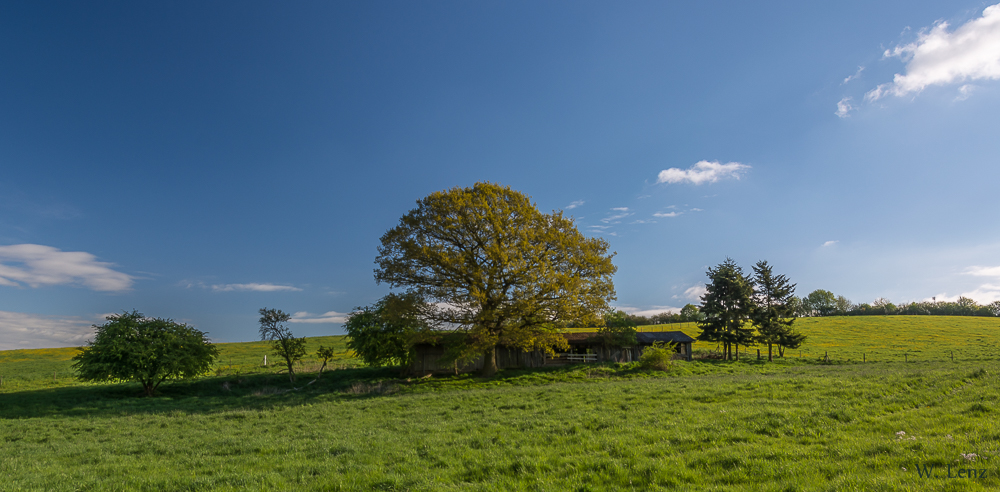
[(643, 337), (663, 336)]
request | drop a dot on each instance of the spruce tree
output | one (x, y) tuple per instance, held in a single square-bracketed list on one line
[(772, 314), (727, 305)]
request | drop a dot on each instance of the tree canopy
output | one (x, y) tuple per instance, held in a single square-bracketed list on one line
[(727, 305), (274, 330), (487, 263), (382, 334), (773, 312), (132, 347)]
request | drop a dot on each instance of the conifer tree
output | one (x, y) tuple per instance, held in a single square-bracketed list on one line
[(727, 305), (772, 314)]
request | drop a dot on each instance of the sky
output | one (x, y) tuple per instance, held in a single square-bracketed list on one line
[(202, 160)]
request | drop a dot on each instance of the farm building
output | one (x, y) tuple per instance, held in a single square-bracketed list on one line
[(583, 348)]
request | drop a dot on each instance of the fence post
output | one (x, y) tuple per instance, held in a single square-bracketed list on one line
[(905, 358), (864, 357)]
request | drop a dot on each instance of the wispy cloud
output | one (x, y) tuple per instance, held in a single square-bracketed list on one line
[(615, 218), (36, 265), (694, 293), (667, 214), (703, 172), (964, 92), (981, 271), (984, 294), (327, 317), (27, 330), (649, 311), (942, 57), (575, 204), (830, 243), (844, 107), (252, 287), (852, 77)]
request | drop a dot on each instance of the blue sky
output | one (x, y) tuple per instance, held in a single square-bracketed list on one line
[(200, 161)]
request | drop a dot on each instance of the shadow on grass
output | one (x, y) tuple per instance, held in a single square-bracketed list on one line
[(265, 391), (204, 395)]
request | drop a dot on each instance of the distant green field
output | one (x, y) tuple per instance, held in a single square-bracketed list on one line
[(885, 338), (52, 368), (792, 425)]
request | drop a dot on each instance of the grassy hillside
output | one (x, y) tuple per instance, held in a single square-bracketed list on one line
[(886, 338), (708, 425), (52, 368)]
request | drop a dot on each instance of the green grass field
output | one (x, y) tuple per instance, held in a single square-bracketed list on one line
[(793, 424), (886, 338)]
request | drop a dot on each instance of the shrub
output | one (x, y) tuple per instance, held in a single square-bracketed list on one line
[(658, 357), (132, 347)]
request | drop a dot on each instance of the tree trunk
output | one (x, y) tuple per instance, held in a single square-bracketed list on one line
[(769, 353), (291, 373), (489, 363)]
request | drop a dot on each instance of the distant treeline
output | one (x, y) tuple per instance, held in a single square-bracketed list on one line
[(825, 303)]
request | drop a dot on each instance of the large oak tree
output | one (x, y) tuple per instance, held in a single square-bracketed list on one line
[(486, 262)]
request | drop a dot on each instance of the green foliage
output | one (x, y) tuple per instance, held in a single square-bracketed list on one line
[(690, 312), (820, 303), (658, 357), (618, 330), (383, 334), (772, 313), (132, 347), (485, 260), (274, 330), (727, 305)]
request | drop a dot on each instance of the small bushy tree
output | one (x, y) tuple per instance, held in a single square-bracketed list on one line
[(383, 334), (132, 347), (658, 357), (274, 330)]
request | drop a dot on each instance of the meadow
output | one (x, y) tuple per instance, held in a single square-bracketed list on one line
[(795, 424)]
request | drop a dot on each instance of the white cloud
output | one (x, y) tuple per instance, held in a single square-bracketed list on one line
[(36, 265), (620, 209), (667, 214), (255, 288), (696, 210), (702, 172), (26, 330), (575, 204), (844, 107), (964, 92), (617, 217), (984, 294), (830, 243), (983, 271), (939, 57), (649, 312), (695, 293), (852, 77), (327, 317)]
